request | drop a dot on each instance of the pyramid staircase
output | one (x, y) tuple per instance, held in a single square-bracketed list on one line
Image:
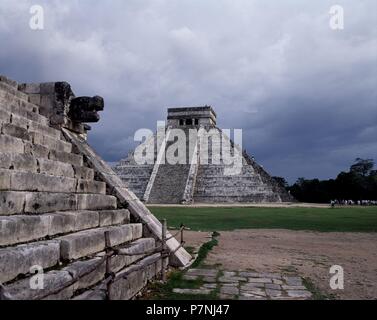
[(170, 181), (204, 180), (57, 215), (214, 185)]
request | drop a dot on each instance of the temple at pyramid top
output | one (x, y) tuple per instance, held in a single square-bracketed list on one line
[(193, 116)]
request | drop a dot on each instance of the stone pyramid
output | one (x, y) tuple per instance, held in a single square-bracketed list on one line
[(61, 205), (202, 174)]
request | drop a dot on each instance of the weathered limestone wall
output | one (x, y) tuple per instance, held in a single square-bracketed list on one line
[(55, 208)]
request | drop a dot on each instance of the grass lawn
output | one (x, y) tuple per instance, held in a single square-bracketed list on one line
[(350, 219)]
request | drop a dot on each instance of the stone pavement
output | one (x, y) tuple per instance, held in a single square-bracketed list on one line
[(245, 285)]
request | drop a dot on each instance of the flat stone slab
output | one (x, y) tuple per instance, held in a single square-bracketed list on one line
[(274, 293), (249, 296), (230, 290), (272, 286), (285, 287), (232, 279), (248, 274), (209, 286), (246, 285), (299, 293), (260, 280), (277, 281), (255, 292), (230, 284), (293, 281), (271, 275), (192, 291), (209, 279), (252, 286), (203, 272)]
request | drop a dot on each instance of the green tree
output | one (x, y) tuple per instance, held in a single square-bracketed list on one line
[(281, 181), (362, 166)]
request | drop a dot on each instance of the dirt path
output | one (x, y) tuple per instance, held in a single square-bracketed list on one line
[(195, 239), (309, 254)]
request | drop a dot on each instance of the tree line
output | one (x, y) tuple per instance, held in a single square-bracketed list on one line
[(357, 184)]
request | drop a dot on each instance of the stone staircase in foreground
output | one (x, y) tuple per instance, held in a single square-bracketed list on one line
[(54, 213)]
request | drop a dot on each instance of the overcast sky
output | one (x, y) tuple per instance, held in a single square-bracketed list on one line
[(304, 94)]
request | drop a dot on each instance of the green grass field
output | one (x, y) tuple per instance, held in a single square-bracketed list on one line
[(350, 219)]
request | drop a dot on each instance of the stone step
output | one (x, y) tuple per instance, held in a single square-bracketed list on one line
[(36, 182), (25, 228), (9, 82), (29, 163), (97, 293), (169, 184), (52, 281), (225, 184), (232, 192), (143, 246), (40, 182), (19, 162), (96, 202), (29, 113), (83, 172), (218, 170), (90, 186), (16, 202), (79, 270), (12, 144), (84, 243), (31, 119), (256, 198), (15, 131), (16, 105), (11, 89), (136, 180), (138, 276), (18, 260), (36, 124), (113, 217), (5, 117), (56, 168), (72, 158), (45, 130), (75, 277), (246, 176)]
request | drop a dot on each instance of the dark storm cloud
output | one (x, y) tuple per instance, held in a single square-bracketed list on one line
[(305, 95)]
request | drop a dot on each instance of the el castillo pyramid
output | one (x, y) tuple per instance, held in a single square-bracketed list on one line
[(184, 162)]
